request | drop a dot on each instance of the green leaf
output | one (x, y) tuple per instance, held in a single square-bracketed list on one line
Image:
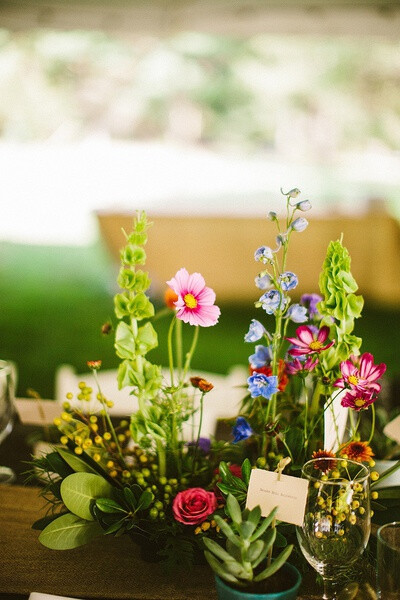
[(218, 568), (146, 339), (77, 464), (254, 515), (57, 464), (227, 531), (145, 500), (234, 509), (107, 505), (246, 529), (268, 541), (246, 471), (69, 531), (255, 550), (129, 497), (236, 569), (121, 305), (40, 524), (217, 549), (275, 565), (124, 341), (264, 525), (80, 490)]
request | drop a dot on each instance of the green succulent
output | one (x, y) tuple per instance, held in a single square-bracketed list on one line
[(246, 558)]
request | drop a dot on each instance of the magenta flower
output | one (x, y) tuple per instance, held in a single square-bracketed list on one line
[(195, 304), (308, 342), (358, 399), (361, 373), (301, 368)]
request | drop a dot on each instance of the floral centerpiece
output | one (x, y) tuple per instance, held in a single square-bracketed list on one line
[(142, 477)]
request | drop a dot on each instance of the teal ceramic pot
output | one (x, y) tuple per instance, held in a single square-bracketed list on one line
[(225, 592)]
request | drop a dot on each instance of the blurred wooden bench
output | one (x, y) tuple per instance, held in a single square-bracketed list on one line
[(222, 249)]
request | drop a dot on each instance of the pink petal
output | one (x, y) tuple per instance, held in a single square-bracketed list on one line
[(179, 282), (347, 368), (299, 351), (206, 296), (297, 342), (323, 334), (305, 335), (208, 315), (195, 284)]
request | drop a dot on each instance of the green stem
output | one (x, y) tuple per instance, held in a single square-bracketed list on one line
[(178, 346), (108, 419), (273, 526), (170, 350), (162, 460), (372, 424), (198, 434), (305, 412), (189, 355)]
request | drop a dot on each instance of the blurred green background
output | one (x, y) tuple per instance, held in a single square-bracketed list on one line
[(54, 301)]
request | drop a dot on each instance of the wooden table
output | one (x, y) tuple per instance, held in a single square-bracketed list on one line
[(108, 568)]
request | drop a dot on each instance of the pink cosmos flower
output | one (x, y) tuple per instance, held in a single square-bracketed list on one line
[(308, 342), (360, 373), (358, 399), (296, 366), (195, 304)]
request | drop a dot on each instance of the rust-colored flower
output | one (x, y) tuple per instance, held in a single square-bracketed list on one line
[(202, 384), (94, 364), (170, 297), (106, 328), (358, 451), (321, 463)]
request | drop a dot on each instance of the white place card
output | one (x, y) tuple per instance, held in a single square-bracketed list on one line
[(392, 429), (288, 493), (40, 596)]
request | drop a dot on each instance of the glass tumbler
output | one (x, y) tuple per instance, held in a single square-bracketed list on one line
[(7, 412), (388, 561)]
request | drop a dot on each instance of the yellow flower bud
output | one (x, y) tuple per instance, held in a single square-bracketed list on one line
[(206, 525), (113, 473), (93, 419), (69, 396), (81, 385), (57, 422), (374, 495), (374, 475), (197, 531), (78, 450), (94, 427), (96, 457), (98, 440), (64, 440), (107, 436)]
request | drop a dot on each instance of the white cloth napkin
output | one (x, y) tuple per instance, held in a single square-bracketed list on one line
[(39, 596)]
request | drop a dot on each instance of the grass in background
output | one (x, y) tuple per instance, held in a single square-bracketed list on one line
[(54, 300)]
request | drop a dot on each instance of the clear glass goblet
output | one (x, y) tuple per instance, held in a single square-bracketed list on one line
[(337, 520), (7, 411)]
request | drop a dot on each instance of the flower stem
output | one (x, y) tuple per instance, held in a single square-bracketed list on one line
[(170, 350), (108, 419), (372, 424), (198, 434), (190, 353)]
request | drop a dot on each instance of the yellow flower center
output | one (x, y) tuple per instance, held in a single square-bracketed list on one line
[(359, 402), (315, 345), (190, 301), (353, 379)]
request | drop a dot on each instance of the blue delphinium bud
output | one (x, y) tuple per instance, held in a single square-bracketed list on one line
[(261, 357), (288, 281), (262, 385), (304, 205), (256, 331), (263, 254), (312, 300), (292, 193), (263, 282), (299, 224), (297, 313), (271, 301), (241, 430), (272, 216)]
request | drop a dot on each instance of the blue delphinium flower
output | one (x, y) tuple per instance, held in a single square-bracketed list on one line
[(297, 313), (204, 444), (288, 281), (241, 430), (311, 300), (263, 254), (271, 301), (304, 205), (261, 357), (256, 331), (299, 224), (263, 282), (262, 385)]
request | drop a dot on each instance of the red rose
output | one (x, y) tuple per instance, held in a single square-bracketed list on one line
[(193, 506)]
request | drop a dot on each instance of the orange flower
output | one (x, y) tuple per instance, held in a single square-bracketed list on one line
[(94, 364), (358, 451), (322, 464), (201, 384), (170, 297)]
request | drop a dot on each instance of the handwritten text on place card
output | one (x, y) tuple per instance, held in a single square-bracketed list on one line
[(288, 493)]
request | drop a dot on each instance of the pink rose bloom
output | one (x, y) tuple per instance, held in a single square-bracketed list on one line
[(195, 304), (193, 506)]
